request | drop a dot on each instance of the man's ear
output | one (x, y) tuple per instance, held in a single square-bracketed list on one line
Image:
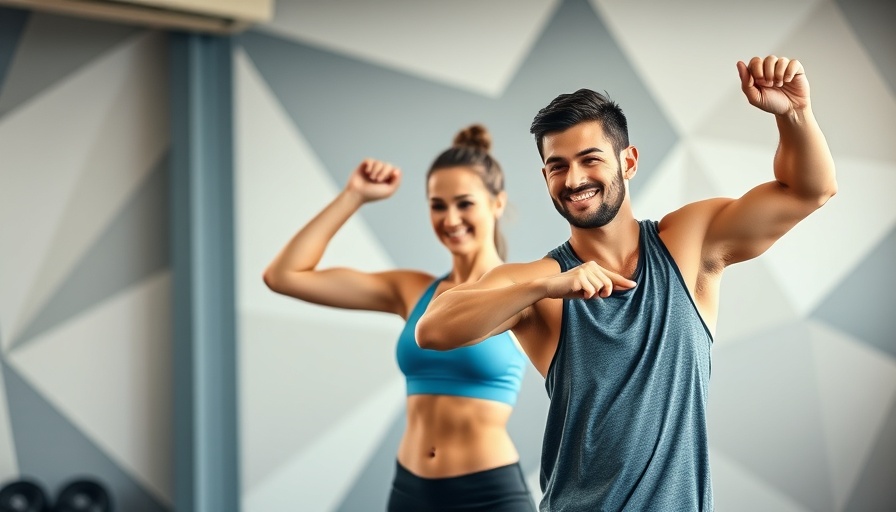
[(629, 160)]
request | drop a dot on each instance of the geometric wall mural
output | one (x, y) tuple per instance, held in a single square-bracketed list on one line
[(408, 119), (802, 409), (288, 433), (43, 54), (85, 373)]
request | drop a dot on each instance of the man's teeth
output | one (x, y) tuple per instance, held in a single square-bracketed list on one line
[(583, 195)]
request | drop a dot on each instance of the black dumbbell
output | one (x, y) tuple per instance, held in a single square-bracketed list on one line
[(83, 495), (23, 496)]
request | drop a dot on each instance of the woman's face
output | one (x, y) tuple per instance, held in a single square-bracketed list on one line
[(462, 210)]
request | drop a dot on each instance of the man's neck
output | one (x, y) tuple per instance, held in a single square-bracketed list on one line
[(613, 246)]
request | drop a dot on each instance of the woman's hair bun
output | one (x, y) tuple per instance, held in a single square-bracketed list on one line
[(475, 136)]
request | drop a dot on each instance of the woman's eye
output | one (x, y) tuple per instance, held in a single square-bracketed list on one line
[(437, 207)]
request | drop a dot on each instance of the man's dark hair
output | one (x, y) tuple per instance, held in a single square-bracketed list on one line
[(584, 105)]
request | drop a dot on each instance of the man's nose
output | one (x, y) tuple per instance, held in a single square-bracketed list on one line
[(575, 176)]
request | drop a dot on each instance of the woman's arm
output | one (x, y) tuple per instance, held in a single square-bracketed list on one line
[(294, 271)]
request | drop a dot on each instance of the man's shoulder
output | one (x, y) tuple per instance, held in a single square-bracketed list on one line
[(693, 215)]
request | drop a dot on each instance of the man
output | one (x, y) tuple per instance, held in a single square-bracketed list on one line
[(619, 319)]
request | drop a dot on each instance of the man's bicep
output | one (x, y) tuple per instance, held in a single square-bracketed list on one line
[(741, 229)]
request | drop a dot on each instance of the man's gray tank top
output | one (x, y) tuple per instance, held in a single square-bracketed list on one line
[(626, 425)]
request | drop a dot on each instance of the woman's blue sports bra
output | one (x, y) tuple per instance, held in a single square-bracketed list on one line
[(492, 369)]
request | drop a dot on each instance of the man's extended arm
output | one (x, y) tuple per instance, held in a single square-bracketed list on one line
[(803, 166), (470, 313)]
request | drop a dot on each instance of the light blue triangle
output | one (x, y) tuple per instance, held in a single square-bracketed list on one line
[(862, 304)]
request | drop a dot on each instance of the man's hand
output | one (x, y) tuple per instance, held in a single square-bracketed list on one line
[(776, 85), (584, 282)]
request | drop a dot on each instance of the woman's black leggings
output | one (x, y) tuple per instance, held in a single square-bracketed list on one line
[(500, 489)]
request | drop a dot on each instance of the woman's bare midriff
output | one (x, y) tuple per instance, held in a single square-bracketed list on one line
[(450, 436)]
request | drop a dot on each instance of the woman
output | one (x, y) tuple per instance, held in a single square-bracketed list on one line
[(455, 452)]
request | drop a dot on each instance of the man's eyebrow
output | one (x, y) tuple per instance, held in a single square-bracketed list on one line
[(580, 153)]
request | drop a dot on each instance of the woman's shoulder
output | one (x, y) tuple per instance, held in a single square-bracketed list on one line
[(410, 285)]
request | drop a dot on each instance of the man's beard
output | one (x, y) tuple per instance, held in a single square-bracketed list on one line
[(605, 212)]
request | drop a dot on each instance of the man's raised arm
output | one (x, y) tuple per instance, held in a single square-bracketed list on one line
[(804, 169)]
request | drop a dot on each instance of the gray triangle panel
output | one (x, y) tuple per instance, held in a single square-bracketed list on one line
[(764, 412), (349, 109), (46, 55), (371, 362), (371, 489), (862, 304), (12, 23), (133, 247), (53, 451), (872, 23), (875, 490)]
